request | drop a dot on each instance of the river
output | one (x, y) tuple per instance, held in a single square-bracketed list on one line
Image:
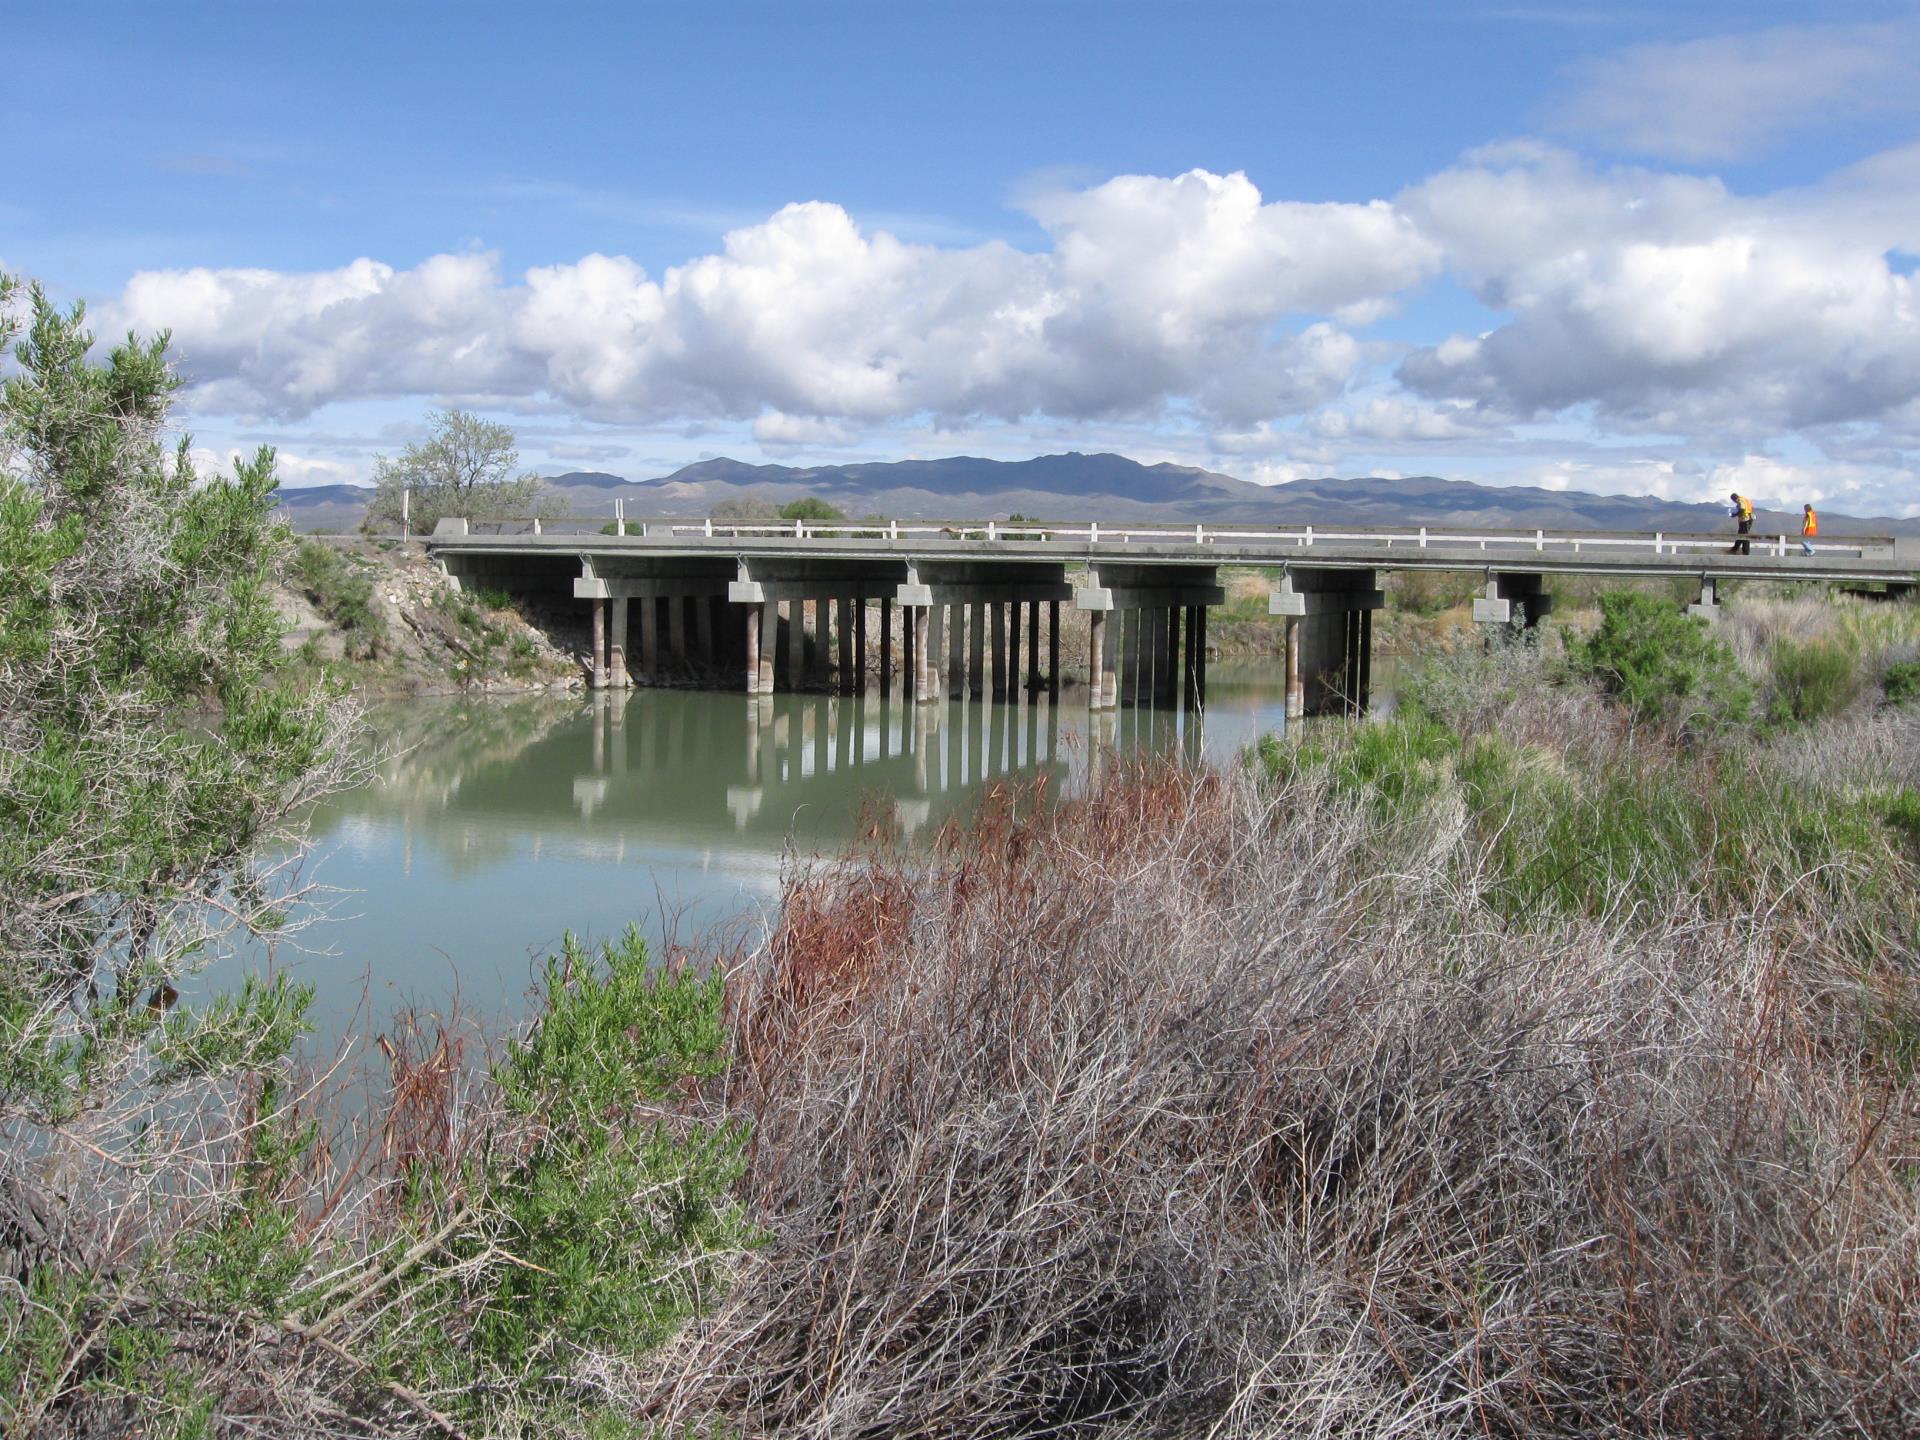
[(493, 825)]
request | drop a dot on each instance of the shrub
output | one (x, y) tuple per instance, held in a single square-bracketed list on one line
[(1402, 762), (1175, 1110), (1901, 682), (1665, 665), (343, 593), (1431, 592), (1812, 680)]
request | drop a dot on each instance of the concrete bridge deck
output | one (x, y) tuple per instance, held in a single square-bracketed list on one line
[(710, 594)]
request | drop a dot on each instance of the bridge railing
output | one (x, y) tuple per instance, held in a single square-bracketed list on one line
[(1658, 543)]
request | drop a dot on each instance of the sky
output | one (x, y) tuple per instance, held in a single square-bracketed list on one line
[(1665, 249)]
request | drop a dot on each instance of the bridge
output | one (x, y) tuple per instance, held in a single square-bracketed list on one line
[(797, 605)]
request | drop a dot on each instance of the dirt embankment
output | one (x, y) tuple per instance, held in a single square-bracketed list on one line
[(385, 617)]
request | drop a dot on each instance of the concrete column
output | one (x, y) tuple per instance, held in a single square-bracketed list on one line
[(768, 649), (1296, 697), (1129, 666), (999, 650), (1366, 661), (1033, 646), (922, 670), (1153, 635), (860, 642), (598, 663), (1189, 670), (703, 655), (817, 660), (617, 656), (649, 639), (1169, 655), (977, 652), (956, 652), (1200, 649), (677, 632), (599, 645), (886, 645), (796, 645), (907, 671), (1013, 650), (1096, 660), (936, 649), (753, 656), (844, 609), (1053, 649)]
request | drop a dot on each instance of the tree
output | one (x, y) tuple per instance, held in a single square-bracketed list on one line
[(810, 507), (744, 507), (466, 467)]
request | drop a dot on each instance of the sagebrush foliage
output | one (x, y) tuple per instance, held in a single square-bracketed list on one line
[(187, 1248)]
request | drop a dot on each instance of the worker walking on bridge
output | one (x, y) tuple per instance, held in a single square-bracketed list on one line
[(1809, 527), (1742, 511)]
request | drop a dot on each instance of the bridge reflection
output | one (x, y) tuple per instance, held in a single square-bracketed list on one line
[(656, 770)]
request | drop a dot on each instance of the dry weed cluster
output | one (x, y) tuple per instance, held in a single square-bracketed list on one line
[(1209, 1106)]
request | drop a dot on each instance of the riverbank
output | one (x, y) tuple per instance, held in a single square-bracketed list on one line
[(382, 617)]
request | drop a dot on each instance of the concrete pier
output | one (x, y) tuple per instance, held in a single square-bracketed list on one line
[(1328, 639)]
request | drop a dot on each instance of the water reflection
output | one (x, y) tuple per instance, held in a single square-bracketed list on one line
[(495, 824)]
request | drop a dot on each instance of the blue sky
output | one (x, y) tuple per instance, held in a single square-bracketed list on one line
[(1662, 249)]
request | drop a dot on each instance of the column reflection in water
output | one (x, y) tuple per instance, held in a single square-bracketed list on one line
[(637, 804)]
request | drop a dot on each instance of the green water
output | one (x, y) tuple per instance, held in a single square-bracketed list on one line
[(494, 825)]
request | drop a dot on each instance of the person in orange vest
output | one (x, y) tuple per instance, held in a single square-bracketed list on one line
[(1742, 511), (1809, 527)]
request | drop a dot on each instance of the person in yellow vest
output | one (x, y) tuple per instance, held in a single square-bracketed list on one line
[(1809, 527), (1742, 511)]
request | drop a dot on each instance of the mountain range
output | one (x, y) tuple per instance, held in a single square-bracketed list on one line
[(1104, 487)]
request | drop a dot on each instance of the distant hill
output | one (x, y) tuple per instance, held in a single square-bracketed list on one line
[(1076, 486)]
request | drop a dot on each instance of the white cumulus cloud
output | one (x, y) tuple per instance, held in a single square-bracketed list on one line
[(1667, 303), (1190, 290)]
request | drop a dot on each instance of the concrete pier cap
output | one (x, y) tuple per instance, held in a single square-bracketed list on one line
[(1319, 592), (1504, 591), (743, 589), (913, 592), (1093, 595), (1707, 607)]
